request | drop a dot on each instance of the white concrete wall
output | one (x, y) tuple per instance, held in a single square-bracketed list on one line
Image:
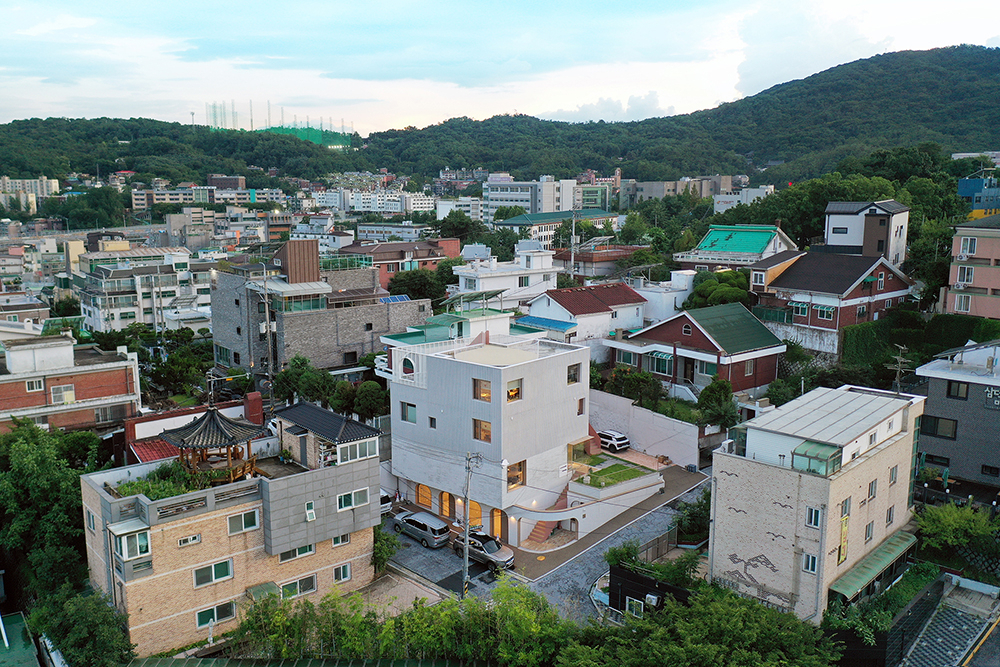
[(650, 432), (820, 340)]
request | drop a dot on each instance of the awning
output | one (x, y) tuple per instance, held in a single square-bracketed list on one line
[(816, 450), (828, 309), (656, 354), (261, 591), (128, 526), (468, 297), (869, 279), (874, 564)]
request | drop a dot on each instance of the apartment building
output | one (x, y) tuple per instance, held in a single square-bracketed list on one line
[(809, 500), (542, 227), (974, 277), (471, 206), (387, 232), (331, 311), (546, 195), (160, 287), (982, 194), (633, 192), (40, 187), (962, 415), (520, 406), (203, 194), (57, 384), (529, 274), (872, 229), (745, 196), (193, 228), (183, 566)]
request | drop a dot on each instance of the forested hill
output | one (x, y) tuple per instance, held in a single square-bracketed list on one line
[(948, 96)]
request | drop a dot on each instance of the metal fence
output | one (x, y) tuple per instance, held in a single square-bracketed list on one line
[(659, 546)]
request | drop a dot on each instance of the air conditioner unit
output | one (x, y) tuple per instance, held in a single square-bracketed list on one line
[(963, 258), (959, 286), (652, 599)]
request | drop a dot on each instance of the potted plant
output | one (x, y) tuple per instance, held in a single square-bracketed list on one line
[(284, 455)]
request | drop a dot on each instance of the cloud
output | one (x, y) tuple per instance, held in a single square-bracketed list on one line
[(60, 22), (607, 109)]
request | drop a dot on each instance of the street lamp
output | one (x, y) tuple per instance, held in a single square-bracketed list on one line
[(925, 493)]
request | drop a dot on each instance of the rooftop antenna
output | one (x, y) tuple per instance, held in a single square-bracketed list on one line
[(900, 365), (251, 115), (192, 119), (233, 107)]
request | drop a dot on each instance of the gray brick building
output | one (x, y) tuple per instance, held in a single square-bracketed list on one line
[(331, 317)]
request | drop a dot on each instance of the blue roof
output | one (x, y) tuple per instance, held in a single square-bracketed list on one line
[(546, 323)]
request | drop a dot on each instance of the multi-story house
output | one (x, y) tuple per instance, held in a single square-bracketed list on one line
[(872, 229), (733, 246), (392, 257), (593, 258), (687, 350), (199, 194), (515, 410), (974, 278), (22, 307), (471, 206), (594, 311), (962, 414), (55, 383), (543, 226), (160, 287), (528, 275), (810, 297), (192, 228), (392, 231), (809, 500), (183, 566), (331, 312), (982, 194)]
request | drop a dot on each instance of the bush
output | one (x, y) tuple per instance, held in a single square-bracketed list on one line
[(694, 517), (950, 526), (385, 547)]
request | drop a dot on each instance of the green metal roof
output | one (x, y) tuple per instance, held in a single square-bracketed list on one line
[(521, 329), (528, 219), (446, 319), (468, 297), (722, 238), (21, 652), (423, 334), (874, 564), (734, 328)]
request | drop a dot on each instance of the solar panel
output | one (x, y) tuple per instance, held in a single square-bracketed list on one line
[(395, 298)]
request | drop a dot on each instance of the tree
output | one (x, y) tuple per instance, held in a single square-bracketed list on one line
[(370, 400), (640, 386), (460, 226), (317, 386), (507, 212), (949, 526), (634, 229), (716, 404), (417, 284), (564, 280), (385, 547), (444, 273), (86, 628), (719, 288), (344, 396), (287, 382), (68, 307)]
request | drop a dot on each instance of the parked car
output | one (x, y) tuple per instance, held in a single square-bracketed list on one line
[(424, 527), (614, 441), (485, 549), (386, 499)]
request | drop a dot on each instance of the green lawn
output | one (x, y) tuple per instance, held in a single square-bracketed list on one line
[(677, 409), (616, 473), (184, 401), (594, 460)]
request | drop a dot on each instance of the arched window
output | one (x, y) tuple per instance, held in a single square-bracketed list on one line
[(408, 366), (686, 330)]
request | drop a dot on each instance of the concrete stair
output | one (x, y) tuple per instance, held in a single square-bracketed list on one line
[(543, 529)]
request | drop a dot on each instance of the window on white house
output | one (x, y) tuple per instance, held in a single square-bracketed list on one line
[(893, 475), (408, 412), (890, 515), (809, 562), (482, 430), (481, 390), (845, 507), (872, 489), (869, 531), (812, 517), (523, 281), (514, 390)]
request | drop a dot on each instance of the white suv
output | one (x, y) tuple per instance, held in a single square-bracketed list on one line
[(613, 440)]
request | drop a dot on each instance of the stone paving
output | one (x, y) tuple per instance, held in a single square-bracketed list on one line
[(945, 639)]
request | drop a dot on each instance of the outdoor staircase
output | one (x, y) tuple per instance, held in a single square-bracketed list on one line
[(543, 529)]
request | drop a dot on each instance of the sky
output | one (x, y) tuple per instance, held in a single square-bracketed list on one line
[(397, 64)]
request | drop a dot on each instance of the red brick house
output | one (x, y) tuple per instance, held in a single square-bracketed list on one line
[(810, 297), (56, 384), (688, 349), (391, 258)]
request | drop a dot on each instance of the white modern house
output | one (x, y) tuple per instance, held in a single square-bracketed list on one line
[(514, 409), (530, 273), (870, 228)]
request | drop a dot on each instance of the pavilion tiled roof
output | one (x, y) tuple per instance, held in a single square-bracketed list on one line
[(212, 430)]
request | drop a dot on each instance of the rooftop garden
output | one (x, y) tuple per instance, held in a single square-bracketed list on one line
[(677, 572), (169, 480), (615, 474)]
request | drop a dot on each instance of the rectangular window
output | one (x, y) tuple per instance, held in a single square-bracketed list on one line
[(481, 430), (938, 426), (310, 510), (748, 367), (958, 390), (872, 489), (862, 311), (800, 309), (522, 281), (966, 273), (845, 507), (368, 326), (872, 439), (941, 461), (890, 515), (893, 475), (968, 245), (839, 230), (869, 531), (991, 471), (339, 540), (217, 614), (91, 522), (824, 313), (963, 303), (888, 303), (881, 279), (300, 587), (573, 374), (34, 385), (363, 449), (408, 412), (204, 576), (757, 277), (705, 368), (470, 284), (634, 607), (514, 390), (342, 572), (346, 501), (104, 415), (239, 523), (812, 517), (581, 406), (809, 563), (516, 474), (432, 422), (132, 546), (292, 554), (481, 390), (190, 539), (614, 314), (63, 394)]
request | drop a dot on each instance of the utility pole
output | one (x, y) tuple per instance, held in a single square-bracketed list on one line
[(572, 247), (470, 458)]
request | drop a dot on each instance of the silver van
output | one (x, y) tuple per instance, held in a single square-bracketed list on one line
[(424, 527)]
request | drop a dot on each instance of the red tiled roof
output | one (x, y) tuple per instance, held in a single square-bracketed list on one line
[(153, 449), (595, 298)]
